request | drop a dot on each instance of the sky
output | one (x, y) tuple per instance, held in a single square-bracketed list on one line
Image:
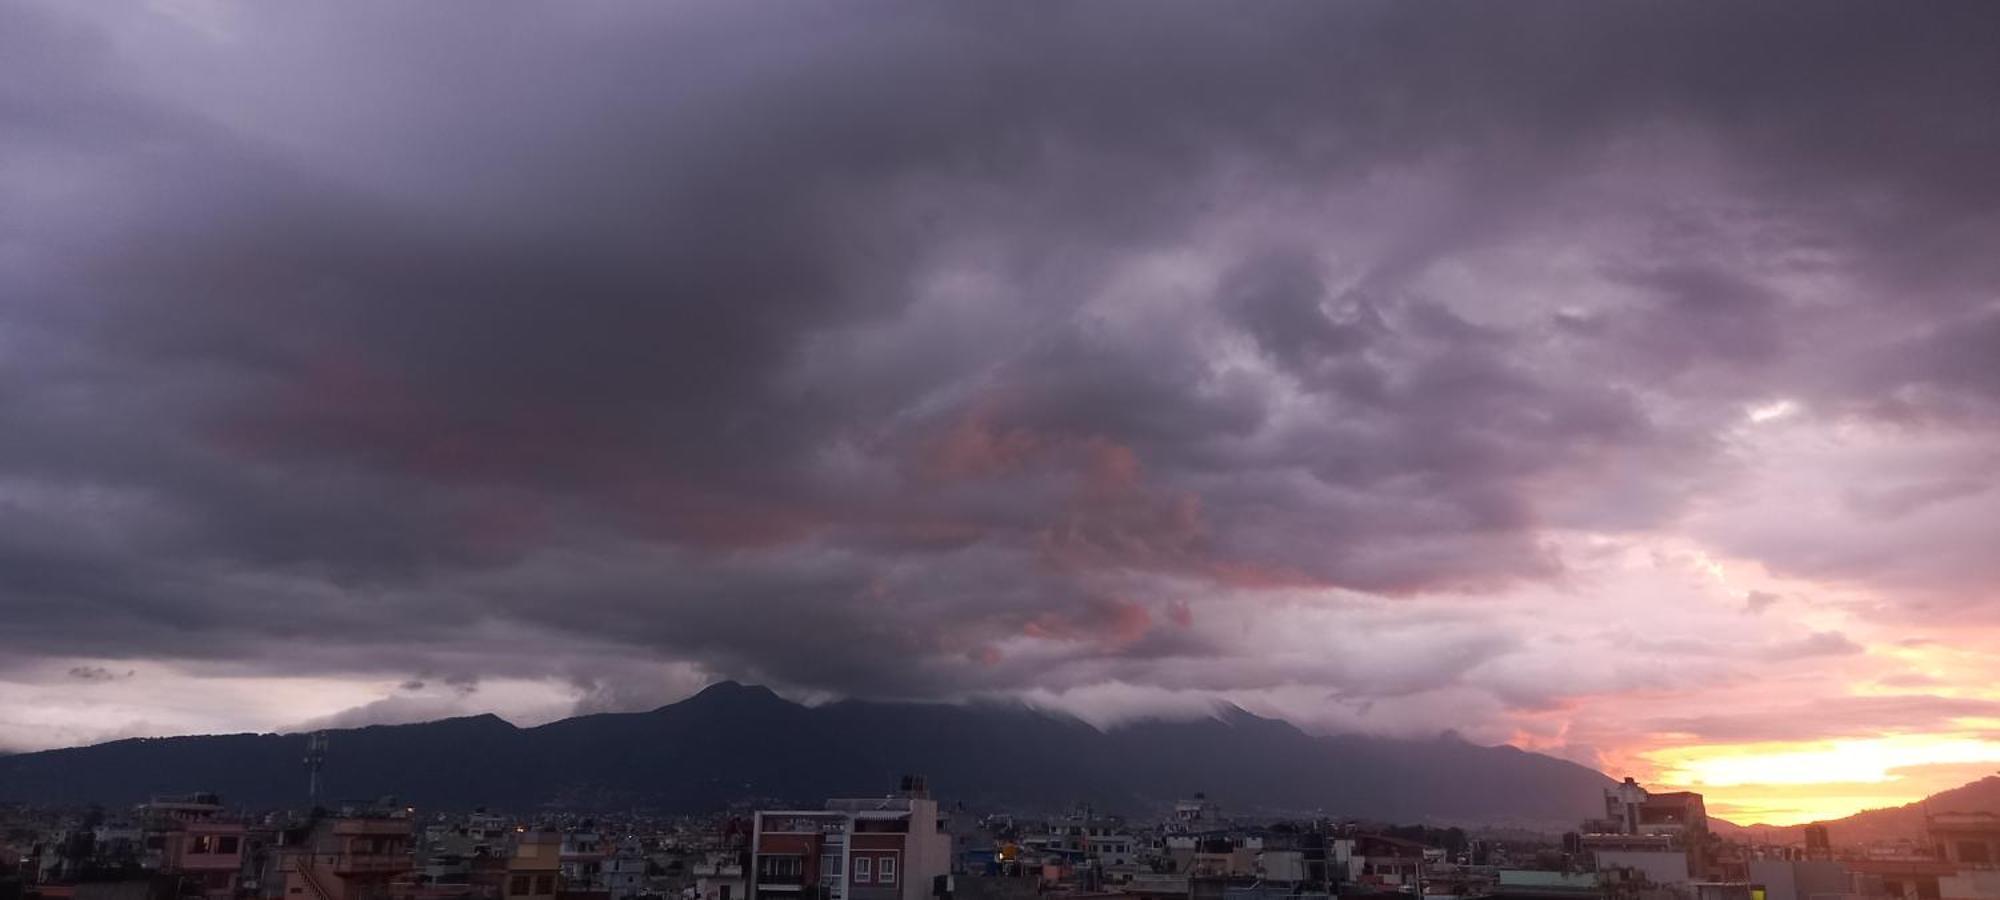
[(1618, 381)]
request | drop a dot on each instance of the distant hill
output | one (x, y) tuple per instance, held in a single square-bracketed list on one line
[(1887, 824), (733, 743)]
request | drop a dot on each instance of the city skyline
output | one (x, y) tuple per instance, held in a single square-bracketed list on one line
[(1620, 383)]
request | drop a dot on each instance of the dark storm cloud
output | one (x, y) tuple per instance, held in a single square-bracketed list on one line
[(799, 345), (97, 673)]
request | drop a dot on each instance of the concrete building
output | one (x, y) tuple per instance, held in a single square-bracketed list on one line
[(1534, 883), (206, 855), (581, 864), (1970, 884), (720, 876), (1801, 879), (534, 866), (1196, 814), (1378, 861), (625, 871), (1631, 809), (1908, 878), (348, 859), (873, 849), (185, 839), (1085, 838), (115, 843), (1280, 866), (1659, 867), (1968, 840), (1661, 837)]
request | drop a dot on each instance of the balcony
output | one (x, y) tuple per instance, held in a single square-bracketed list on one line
[(369, 863), (371, 828), (210, 862)]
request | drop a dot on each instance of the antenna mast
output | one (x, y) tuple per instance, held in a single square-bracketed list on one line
[(315, 760)]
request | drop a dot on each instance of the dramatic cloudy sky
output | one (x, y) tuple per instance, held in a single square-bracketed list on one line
[(1620, 381)]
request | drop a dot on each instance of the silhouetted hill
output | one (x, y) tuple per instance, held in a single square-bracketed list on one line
[(1889, 823), (732, 743)]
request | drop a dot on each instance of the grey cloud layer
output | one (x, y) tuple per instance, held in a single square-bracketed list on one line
[(796, 344)]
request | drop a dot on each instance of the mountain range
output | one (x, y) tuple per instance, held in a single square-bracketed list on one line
[(734, 744)]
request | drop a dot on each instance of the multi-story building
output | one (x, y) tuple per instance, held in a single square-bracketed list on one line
[(1631, 809), (206, 856), (534, 866), (1085, 838), (118, 843), (625, 871), (1661, 837), (1801, 879), (719, 875), (1967, 840), (488, 834), (582, 863), (354, 858), (184, 838), (197, 807), (1196, 815), (1378, 861), (874, 849)]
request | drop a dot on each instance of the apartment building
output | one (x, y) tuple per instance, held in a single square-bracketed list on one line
[(889, 848)]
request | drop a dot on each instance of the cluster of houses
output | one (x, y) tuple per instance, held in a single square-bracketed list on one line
[(905, 845)]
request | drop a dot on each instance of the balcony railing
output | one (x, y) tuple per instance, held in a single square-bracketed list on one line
[(362, 863), (371, 827)]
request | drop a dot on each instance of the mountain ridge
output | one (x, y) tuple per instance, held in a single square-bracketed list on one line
[(735, 744), (1889, 823)]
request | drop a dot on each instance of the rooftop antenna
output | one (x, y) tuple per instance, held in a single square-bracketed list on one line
[(315, 760)]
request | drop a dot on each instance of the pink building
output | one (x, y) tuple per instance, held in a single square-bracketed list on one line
[(208, 854)]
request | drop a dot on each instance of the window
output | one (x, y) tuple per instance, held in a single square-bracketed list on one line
[(545, 884), (212, 843), (887, 870), (772, 866), (829, 866), (861, 869), (517, 885)]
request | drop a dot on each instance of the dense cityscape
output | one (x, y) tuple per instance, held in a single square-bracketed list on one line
[(906, 844)]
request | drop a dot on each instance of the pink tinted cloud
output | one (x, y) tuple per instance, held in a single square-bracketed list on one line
[(975, 447), (1109, 622)]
